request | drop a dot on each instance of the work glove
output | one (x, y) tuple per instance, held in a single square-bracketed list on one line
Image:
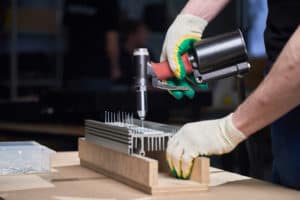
[(212, 137), (185, 30)]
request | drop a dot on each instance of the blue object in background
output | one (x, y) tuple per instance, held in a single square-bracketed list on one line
[(257, 16)]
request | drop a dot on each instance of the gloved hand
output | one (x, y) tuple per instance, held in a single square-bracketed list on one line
[(212, 137), (185, 30)]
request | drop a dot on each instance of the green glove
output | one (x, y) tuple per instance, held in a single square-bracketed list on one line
[(190, 93), (180, 37)]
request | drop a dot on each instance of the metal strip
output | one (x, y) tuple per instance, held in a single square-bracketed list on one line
[(109, 144)]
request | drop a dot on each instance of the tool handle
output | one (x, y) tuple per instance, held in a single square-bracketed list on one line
[(163, 71)]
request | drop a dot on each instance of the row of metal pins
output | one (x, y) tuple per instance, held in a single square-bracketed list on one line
[(119, 118), (154, 143)]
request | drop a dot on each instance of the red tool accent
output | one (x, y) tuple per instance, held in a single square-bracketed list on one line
[(163, 71)]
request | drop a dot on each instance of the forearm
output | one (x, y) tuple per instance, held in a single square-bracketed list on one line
[(276, 95), (206, 9), (112, 48)]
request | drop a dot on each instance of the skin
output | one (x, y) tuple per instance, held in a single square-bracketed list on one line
[(276, 95), (279, 91), (112, 49), (206, 9)]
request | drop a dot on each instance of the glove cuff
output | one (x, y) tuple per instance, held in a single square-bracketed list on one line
[(192, 21), (232, 135)]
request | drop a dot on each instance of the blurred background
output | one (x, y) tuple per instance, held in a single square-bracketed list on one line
[(63, 61)]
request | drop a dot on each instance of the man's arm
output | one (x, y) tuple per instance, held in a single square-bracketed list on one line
[(206, 9), (186, 29), (276, 95), (112, 49)]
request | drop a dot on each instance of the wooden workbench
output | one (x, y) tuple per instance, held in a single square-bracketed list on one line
[(69, 181)]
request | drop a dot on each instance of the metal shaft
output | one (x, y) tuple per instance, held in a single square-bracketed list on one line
[(141, 59)]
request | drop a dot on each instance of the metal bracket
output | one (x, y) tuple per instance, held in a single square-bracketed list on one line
[(164, 86), (156, 83)]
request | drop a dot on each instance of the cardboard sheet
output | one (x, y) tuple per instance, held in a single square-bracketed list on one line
[(79, 198), (222, 177), (65, 159), (23, 182)]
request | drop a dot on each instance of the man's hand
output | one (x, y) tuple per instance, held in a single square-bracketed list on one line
[(184, 31), (213, 137)]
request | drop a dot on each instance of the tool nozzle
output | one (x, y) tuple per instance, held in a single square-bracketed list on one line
[(141, 60)]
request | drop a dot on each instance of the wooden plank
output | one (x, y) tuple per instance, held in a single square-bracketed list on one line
[(141, 172), (63, 159), (119, 165)]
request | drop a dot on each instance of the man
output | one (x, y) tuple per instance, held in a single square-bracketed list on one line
[(93, 49), (276, 96)]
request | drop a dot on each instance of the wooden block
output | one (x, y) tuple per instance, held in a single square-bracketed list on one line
[(160, 156), (140, 172), (200, 171)]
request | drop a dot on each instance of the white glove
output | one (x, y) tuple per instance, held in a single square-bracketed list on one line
[(185, 30), (201, 138)]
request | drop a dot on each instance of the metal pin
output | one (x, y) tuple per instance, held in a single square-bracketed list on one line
[(142, 151), (135, 142), (159, 144), (121, 117), (151, 142), (107, 117), (152, 145)]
